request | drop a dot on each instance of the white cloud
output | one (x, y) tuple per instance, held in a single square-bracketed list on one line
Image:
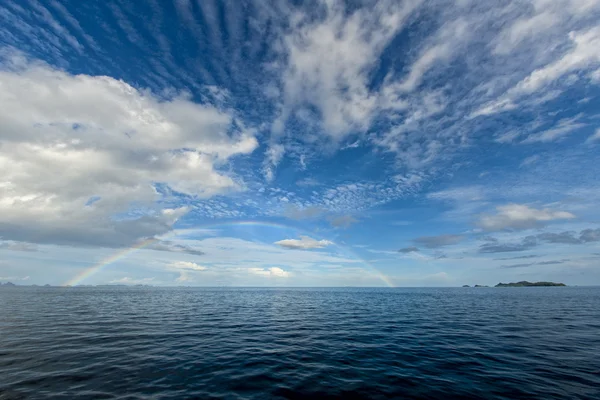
[(328, 60), (273, 272), (308, 182), (563, 128), (304, 243), (273, 156), (67, 139), (187, 265), (184, 268), (461, 194), (582, 55), (520, 216), (530, 160), (595, 137)]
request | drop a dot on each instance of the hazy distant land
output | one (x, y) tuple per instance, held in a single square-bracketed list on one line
[(529, 284)]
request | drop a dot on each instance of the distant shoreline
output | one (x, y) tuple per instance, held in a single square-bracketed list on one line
[(523, 284)]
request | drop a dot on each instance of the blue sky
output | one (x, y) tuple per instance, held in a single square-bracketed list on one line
[(321, 143)]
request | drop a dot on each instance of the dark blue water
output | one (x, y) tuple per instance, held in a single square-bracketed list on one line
[(176, 343)]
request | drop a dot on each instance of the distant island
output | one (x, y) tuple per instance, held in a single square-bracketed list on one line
[(529, 284)]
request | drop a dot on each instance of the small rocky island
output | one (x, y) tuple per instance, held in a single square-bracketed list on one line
[(529, 284)]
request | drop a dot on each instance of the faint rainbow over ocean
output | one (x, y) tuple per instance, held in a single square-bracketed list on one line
[(77, 279), (97, 267)]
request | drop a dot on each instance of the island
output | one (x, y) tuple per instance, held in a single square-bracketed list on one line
[(529, 284)]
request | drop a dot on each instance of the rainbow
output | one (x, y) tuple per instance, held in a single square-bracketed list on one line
[(77, 279), (97, 267)]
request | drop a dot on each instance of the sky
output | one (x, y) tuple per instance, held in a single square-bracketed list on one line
[(288, 143)]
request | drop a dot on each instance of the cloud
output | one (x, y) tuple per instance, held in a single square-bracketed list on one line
[(307, 182), (67, 139), (526, 244), (310, 212), (590, 235), (516, 265), (432, 242), (187, 265), (530, 160), (18, 246), (582, 55), (563, 128), (524, 265), (461, 195), (184, 268), (564, 237), (552, 262), (594, 137), (273, 272), (411, 249), (342, 221), (304, 243), (519, 216), (329, 52), (273, 156), (531, 241), (516, 258), (166, 245)]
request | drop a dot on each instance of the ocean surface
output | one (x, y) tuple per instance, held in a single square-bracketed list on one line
[(175, 343)]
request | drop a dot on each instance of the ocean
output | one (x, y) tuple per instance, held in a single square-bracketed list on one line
[(300, 343)]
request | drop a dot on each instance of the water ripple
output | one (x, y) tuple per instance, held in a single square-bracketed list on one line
[(130, 343)]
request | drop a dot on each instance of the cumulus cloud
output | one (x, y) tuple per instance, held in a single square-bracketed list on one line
[(273, 272), (328, 59), (187, 265), (520, 216), (184, 268), (304, 243), (432, 242), (77, 150)]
